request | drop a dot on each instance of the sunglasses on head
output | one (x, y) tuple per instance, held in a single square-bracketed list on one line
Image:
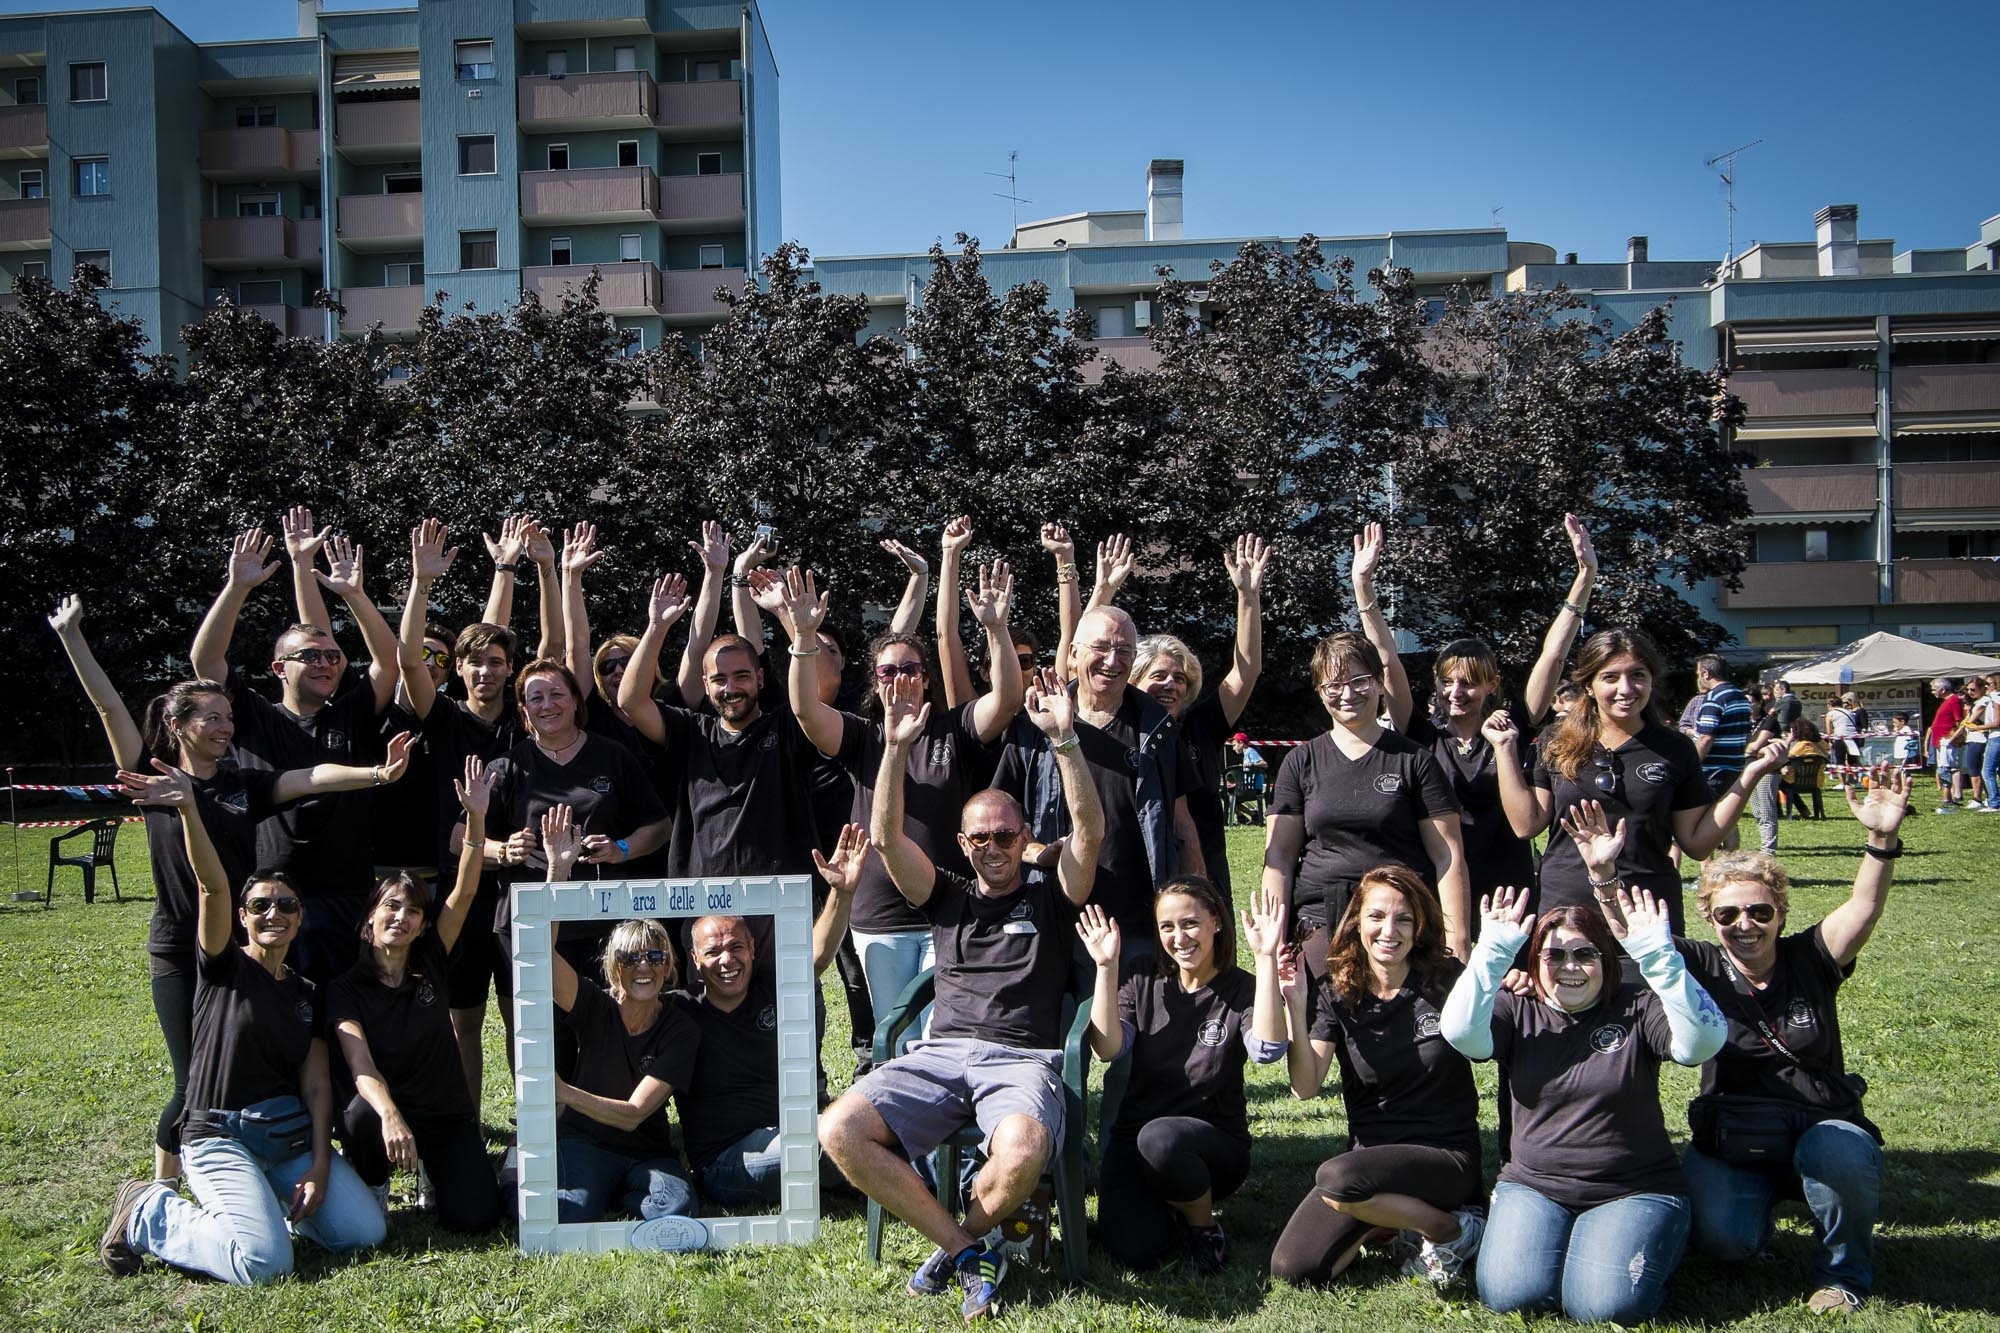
[(437, 656), (1583, 955), (1003, 838), (632, 959), (261, 904), (1762, 913), (314, 656), (891, 670)]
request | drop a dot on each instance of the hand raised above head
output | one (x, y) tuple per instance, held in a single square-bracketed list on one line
[(249, 558), (1050, 707), (1368, 547), (915, 563), (67, 618), (713, 547), (512, 543), (1246, 562), (905, 710)]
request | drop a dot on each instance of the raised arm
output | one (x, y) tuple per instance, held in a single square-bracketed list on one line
[(1527, 806), (1246, 562), (302, 546), (635, 692), (249, 565), (1700, 830), (909, 611), (991, 603), (1547, 672), (713, 548), (842, 874), (128, 748), (169, 787), (322, 779), (561, 845), (742, 606), (475, 795), (799, 607), (429, 560), (1069, 596), (1306, 1057), (1099, 934), (1696, 1028), (343, 578), (541, 549), (1847, 927), (1467, 1018), (579, 553), (1054, 714), (959, 688), (1368, 548), (1114, 566), (903, 718), (507, 552)]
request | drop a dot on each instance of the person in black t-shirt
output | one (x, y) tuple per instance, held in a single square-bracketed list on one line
[(392, 1017), (1591, 1212), (256, 1137), (1180, 1141), (993, 1056), (1167, 669), (1412, 1161), (1779, 991)]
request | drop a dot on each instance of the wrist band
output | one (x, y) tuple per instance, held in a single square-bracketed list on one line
[(1066, 574), (376, 772), (1064, 747), (1596, 884), (1883, 853), (1574, 608), (739, 580), (624, 848), (1361, 610), (797, 651)]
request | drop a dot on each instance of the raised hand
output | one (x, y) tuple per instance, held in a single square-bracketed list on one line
[(1767, 758), (248, 555), (1056, 541), (343, 568), (1288, 972), (842, 872), (302, 541), (1049, 706), (513, 541), (579, 549), (914, 562), (905, 709), (1264, 923), (1246, 562), (164, 787), (399, 755), (668, 602), (1504, 907), (1638, 912), (1114, 562), (958, 533), (560, 841), (475, 791), (1579, 543), (539, 546), (428, 557), (761, 548), (1881, 811), (67, 618), (1499, 730), (713, 548), (1596, 841), (1368, 544), (1099, 934), (994, 597)]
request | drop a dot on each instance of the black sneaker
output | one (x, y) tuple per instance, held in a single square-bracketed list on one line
[(933, 1276), (115, 1250), (980, 1275), (1207, 1248)]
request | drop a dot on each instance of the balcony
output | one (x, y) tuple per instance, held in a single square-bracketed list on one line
[(1805, 404), (259, 243), (710, 109), (1917, 390), (24, 131), (1811, 492), (293, 321), (1946, 486), (396, 309), (624, 289), (378, 131), (1803, 583), (702, 203), (609, 99), (24, 224), (380, 221), (688, 294), (263, 153), (9, 301), (590, 194), (1934, 582), (1128, 353)]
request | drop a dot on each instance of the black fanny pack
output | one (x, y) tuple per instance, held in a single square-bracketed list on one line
[(1745, 1131)]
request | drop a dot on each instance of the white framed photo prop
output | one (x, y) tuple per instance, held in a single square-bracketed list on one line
[(787, 900)]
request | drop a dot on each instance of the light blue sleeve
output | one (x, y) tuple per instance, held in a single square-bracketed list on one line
[(1695, 1023), (1467, 1018)]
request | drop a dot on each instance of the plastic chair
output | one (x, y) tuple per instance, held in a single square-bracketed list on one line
[(1065, 1172), (1243, 793), (103, 834)]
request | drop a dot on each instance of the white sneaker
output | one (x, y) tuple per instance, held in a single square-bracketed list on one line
[(1444, 1264)]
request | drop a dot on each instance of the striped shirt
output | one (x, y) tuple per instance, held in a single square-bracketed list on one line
[(1725, 716)]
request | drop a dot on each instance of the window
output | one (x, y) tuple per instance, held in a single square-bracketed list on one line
[(93, 176), (624, 57), (628, 152), (28, 92), (557, 64), (31, 185), (86, 82), (708, 164), (402, 275), (260, 291), (635, 341), (711, 256), (707, 71), (253, 117), (97, 259), (403, 182), (1816, 543), (628, 246), (33, 268), (559, 250), (478, 249), (475, 155), (256, 205), (474, 59), (558, 157)]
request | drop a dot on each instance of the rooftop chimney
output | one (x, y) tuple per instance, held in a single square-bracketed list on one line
[(1569, 256), (1839, 251), (309, 18), (1635, 249), (1163, 199)]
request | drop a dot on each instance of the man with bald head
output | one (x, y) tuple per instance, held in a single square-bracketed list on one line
[(1140, 767), (994, 1051)]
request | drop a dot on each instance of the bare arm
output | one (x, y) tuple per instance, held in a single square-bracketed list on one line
[(959, 688), (1527, 806), (714, 551), (343, 577), (1700, 831), (1246, 562), (321, 779), (1100, 940), (618, 1112), (1114, 566), (991, 603), (429, 560), (579, 553), (1069, 596), (541, 549), (169, 787), (742, 606), (475, 795), (128, 748), (903, 718), (1547, 672), (635, 692), (302, 545), (248, 567), (506, 553), (1847, 927), (1284, 839), (910, 611), (1053, 712), (1368, 547), (1444, 843), (842, 875), (799, 608)]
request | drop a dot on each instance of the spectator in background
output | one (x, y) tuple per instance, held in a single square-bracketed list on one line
[(1843, 730), (1946, 743), (1722, 730), (1972, 759), (1784, 705)]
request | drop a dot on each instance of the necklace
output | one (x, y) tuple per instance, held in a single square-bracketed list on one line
[(561, 753)]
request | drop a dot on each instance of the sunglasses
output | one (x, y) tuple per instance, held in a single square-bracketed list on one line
[(1003, 838), (1762, 913), (1583, 955), (1610, 775), (437, 657), (261, 905), (654, 956), (1027, 661), (612, 664), (314, 656), (891, 670)]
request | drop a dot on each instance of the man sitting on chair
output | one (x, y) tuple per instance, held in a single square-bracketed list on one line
[(993, 1054)]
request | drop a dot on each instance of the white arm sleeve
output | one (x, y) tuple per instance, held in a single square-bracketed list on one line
[(1696, 1023), (1467, 1019)]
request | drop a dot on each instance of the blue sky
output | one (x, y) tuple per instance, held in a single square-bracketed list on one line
[(1582, 124)]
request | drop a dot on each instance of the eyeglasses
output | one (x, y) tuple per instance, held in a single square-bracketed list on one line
[(1333, 689), (654, 956), (1003, 838), (1112, 649), (261, 905), (314, 656), (891, 670), (1762, 913), (1610, 774), (437, 656), (1027, 661), (612, 664), (1583, 955)]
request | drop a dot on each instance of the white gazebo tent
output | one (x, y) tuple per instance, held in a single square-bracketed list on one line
[(1880, 658)]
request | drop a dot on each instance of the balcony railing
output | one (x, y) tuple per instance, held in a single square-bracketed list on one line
[(590, 194), (607, 99), (1129, 353), (1802, 583), (710, 106), (24, 130), (1920, 389), (377, 130), (703, 200), (1805, 393), (395, 308), (380, 221), (249, 154), (296, 321), (622, 289), (1947, 486), (259, 242), (24, 224), (690, 292), (1815, 489), (1931, 582)]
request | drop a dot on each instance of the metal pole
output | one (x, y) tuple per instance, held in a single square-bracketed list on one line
[(14, 828)]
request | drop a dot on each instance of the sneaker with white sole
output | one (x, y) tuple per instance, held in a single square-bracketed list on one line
[(1443, 1263), (115, 1250), (933, 1276), (980, 1274)]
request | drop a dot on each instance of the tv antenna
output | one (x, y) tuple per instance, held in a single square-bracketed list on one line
[(1724, 165), (1013, 193), (1496, 213)]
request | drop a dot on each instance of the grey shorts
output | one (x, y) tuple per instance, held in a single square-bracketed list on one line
[(936, 1088)]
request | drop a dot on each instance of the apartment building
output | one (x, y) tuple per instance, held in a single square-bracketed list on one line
[(485, 148)]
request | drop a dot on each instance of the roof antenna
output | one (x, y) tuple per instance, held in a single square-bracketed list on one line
[(1012, 195), (1724, 165)]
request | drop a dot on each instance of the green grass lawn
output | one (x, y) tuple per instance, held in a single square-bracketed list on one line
[(85, 1073)]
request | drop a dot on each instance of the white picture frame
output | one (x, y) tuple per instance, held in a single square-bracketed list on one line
[(787, 900)]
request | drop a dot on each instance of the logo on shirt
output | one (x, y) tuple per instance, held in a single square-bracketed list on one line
[(1609, 1038), (238, 801), (601, 785), (1427, 1025), (646, 1064), (1213, 1033), (1388, 783), (425, 994), (1022, 911), (767, 1018), (304, 1010), (1656, 773), (333, 739), (1799, 1015)]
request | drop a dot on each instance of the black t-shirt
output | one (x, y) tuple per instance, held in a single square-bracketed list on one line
[(402, 816), (1400, 1080), (231, 804), (1494, 855), (1206, 729), (741, 803), (1360, 813), (1586, 1092), (1654, 776), (452, 732), (938, 779), (323, 842), (252, 1032), (601, 721), (1003, 964), (408, 1029), (1187, 1050), (734, 1086), (1798, 1003), (610, 1062), (1786, 710)]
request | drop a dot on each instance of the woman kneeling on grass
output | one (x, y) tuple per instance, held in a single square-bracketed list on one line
[(411, 1103), (1591, 1211), (256, 1140), (1779, 1117), (1412, 1110)]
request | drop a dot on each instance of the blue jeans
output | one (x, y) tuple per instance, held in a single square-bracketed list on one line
[(1838, 1168), (592, 1179), (238, 1232), (1611, 1262), (1989, 768), (747, 1173), (891, 962)]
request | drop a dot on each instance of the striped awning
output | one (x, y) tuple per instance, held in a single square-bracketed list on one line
[(1799, 338), (1942, 331)]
